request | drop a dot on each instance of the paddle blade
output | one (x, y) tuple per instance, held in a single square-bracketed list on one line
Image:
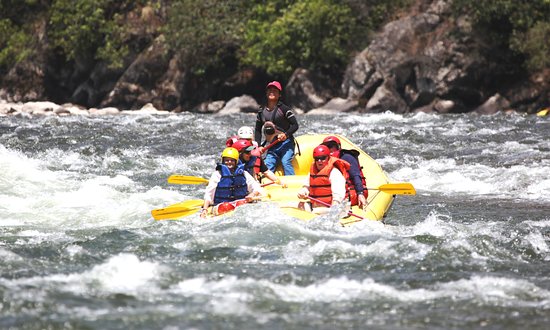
[(173, 213), (185, 179), (403, 188), (178, 210)]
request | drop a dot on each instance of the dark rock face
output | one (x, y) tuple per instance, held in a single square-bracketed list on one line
[(427, 62), (308, 90)]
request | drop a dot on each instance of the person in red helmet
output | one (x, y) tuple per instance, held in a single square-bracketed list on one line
[(253, 164), (277, 121), (327, 181), (230, 140), (356, 183)]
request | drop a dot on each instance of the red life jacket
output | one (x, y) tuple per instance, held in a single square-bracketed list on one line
[(319, 181), (349, 182)]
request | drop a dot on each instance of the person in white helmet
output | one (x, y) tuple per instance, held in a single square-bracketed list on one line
[(247, 133)]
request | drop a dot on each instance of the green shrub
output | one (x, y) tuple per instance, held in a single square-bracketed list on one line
[(17, 40), (508, 22), (83, 29), (204, 32), (276, 35), (284, 35), (535, 43)]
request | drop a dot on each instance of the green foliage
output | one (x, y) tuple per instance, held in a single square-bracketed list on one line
[(204, 32), (284, 35), (15, 44), (535, 43), (507, 22), (89, 28), (17, 41), (276, 35)]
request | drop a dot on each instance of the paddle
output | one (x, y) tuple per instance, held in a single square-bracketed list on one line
[(186, 179), (184, 209), (256, 152), (328, 205), (178, 210), (402, 188)]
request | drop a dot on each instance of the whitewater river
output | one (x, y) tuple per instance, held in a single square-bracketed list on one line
[(80, 250)]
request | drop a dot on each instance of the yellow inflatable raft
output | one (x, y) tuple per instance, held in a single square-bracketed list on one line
[(380, 197), (379, 202)]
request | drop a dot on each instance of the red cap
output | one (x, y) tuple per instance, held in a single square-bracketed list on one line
[(243, 145), (332, 138), (321, 150), (275, 84)]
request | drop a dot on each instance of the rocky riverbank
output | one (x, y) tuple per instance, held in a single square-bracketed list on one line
[(46, 108), (427, 60)]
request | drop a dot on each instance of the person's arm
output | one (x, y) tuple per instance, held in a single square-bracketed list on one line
[(268, 174), (254, 188), (293, 123), (304, 191), (290, 118), (271, 176), (258, 129), (337, 186), (354, 172), (210, 191)]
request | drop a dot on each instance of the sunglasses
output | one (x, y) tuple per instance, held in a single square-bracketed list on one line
[(320, 159)]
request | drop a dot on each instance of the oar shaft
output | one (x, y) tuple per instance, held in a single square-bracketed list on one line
[(328, 205), (402, 188), (272, 144)]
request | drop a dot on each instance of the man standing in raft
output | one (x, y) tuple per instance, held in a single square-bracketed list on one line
[(229, 183), (327, 182), (356, 183), (277, 122)]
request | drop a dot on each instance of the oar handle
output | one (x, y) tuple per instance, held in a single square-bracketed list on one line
[(257, 153), (271, 145), (328, 205)]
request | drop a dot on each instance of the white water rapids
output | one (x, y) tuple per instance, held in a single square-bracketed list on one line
[(80, 249)]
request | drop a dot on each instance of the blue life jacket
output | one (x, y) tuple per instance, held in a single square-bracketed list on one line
[(232, 186)]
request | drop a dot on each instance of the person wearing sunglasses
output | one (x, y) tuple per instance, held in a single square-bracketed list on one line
[(327, 182), (356, 183), (253, 164)]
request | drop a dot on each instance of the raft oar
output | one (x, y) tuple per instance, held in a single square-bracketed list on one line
[(186, 179), (178, 210), (256, 152), (183, 209), (328, 205), (402, 188)]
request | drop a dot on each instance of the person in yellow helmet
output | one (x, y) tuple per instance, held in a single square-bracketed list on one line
[(230, 182)]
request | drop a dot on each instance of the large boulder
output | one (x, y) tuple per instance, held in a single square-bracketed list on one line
[(308, 90), (419, 60)]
